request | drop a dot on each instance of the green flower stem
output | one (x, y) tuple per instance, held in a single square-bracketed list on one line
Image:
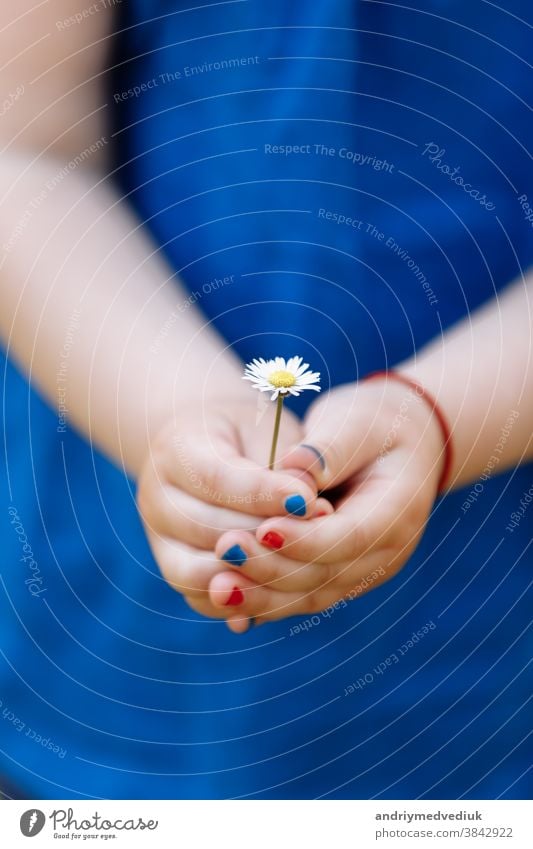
[(275, 435)]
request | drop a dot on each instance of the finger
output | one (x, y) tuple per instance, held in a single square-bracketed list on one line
[(188, 570), (265, 567), (341, 436), (272, 570), (171, 512), (249, 601), (203, 606), (224, 549), (355, 577), (240, 624), (231, 591), (323, 507), (363, 522), (214, 471)]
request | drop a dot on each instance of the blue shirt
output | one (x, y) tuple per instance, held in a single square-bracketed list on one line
[(338, 180)]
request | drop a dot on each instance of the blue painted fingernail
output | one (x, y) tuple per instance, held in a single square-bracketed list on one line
[(295, 504), (235, 555), (317, 453)]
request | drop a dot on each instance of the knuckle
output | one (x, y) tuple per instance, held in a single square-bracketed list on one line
[(212, 481), (157, 511), (205, 535), (265, 568), (146, 504), (181, 578), (196, 533), (168, 568), (184, 520), (176, 567), (357, 541), (362, 538), (301, 579), (254, 492), (312, 606), (334, 460), (307, 602), (323, 575)]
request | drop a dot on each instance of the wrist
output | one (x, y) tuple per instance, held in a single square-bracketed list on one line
[(415, 403)]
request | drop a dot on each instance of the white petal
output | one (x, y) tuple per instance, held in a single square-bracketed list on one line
[(259, 371), (310, 377), (258, 368), (293, 364)]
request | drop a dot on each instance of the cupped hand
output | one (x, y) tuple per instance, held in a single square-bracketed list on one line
[(205, 474), (376, 449)]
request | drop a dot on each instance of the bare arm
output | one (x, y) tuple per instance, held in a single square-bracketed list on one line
[(87, 307), (481, 371)]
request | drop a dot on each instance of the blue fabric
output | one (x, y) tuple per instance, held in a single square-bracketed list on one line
[(99, 658)]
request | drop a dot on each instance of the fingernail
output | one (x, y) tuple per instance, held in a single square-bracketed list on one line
[(236, 598), (235, 555), (273, 540), (317, 453), (295, 504), (319, 515)]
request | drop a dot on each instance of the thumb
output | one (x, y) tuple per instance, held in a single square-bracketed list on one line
[(340, 438)]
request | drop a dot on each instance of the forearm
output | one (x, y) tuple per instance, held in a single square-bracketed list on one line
[(90, 312), (481, 372)]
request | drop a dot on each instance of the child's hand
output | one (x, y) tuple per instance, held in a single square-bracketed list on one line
[(205, 475), (381, 444)]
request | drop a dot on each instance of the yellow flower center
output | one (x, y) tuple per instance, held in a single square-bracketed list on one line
[(282, 379)]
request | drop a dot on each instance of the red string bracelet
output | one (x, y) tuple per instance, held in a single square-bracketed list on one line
[(422, 392)]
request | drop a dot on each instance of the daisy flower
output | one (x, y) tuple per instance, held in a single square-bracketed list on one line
[(281, 377)]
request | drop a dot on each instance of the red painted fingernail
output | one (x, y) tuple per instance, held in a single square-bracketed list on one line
[(236, 598), (319, 515), (273, 540)]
